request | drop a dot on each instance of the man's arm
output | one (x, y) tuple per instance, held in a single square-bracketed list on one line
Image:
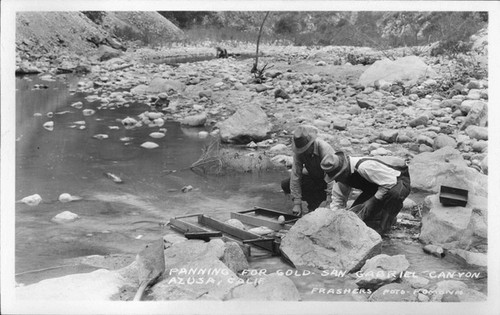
[(339, 194), (325, 150), (295, 177)]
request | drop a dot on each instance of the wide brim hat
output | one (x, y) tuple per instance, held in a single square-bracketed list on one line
[(303, 137), (334, 166)]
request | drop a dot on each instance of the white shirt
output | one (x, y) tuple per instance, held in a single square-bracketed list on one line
[(375, 172)]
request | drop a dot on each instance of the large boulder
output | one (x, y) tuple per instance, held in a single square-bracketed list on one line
[(194, 270), (456, 227), (329, 239), (234, 258), (270, 287), (408, 69), (248, 123), (380, 270), (202, 278), (430, 170)]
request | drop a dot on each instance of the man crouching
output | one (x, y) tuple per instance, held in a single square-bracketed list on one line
[(307, 179), (384, 187)]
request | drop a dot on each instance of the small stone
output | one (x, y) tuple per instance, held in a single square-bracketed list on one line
[(261, 230), (434, 250), (281, 219), (77, 105), (421, 139), (422, 297), (157, 135), (425, 148), (195, 120), (279, 148), (187, 188), (279, 93), (389, 136), (235, 223), (65, 197), (480, 146), (442, 141), (365, 103), (32, 200), (419, 121), (476, 132), (100, 136), (65, 217), (149, 145), (88, 112), (129, 122), (49, 125)]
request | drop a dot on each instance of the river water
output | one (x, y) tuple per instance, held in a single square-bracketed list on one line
[(70, 160), (122, 218)]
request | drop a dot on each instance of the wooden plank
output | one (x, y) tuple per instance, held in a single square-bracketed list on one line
[(246, 211), (238, 233), (274, 213), (260, 221), (188, 216), (202, 235), (185, 227)]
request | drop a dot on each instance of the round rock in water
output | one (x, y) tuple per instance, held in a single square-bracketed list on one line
[(32, 200), (65, 217), (149, 145), (100, 136), (77, 105), (157, 135), (65, 197), (88, 112), (49, 125)]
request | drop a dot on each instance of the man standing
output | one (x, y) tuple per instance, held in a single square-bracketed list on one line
[(307, 179), (384, 187)]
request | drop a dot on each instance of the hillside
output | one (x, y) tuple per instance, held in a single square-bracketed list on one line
[(42, 33), (341, 28)]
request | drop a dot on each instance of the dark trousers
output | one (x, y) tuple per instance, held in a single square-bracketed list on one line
[(313, 190), (392, 203)]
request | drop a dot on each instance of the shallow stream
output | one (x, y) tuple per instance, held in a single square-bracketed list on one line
[(121, 218)]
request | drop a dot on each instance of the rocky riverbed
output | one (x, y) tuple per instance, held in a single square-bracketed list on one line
[(414, 107)]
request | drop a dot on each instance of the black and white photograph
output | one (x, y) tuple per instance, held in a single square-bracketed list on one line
[(249, 157)]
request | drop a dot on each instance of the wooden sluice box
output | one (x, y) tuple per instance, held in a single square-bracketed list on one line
[(200, 226)]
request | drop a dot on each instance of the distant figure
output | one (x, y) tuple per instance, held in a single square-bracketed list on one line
[(384, 187), (307, 179), (221, 52)]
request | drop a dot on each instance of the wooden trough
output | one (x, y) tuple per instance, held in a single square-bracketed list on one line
[(205, 227)]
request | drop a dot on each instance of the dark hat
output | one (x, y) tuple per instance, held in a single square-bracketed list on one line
[(334, 165), (303, 137)]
